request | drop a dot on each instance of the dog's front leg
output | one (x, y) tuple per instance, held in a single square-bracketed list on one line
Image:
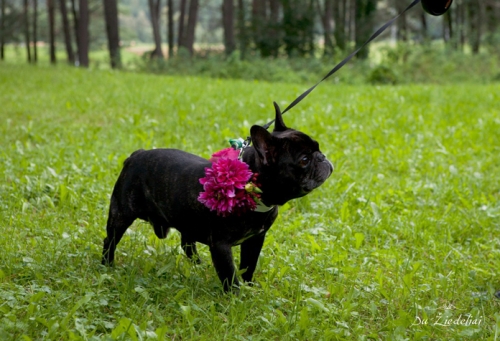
[(222, 257), (250, 251)]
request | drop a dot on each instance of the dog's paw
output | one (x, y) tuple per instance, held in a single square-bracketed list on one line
[(234, 290)]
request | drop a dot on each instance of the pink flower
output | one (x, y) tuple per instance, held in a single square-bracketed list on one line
[(229, 153), (224, 185)]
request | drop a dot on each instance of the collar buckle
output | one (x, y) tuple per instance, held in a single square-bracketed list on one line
[(240, 144)]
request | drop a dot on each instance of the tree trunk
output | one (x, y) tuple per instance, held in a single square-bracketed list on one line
[(170, 26), (242, 29), (35, 30), (298, 26), (154, 10), (182, 18), (113, 32), (402, 29), (460, 25), (52, 36), (83, 33), (351, 21), (273, 27), (492, 20), (76, 28), (258, 21), (448, 27), (309, 28), (290, 28), (329, 47), (364, 16), (326, 16), (340, 14), (474, 8), (423, 21), (2, 30), (27, 30), (191, 25), (228, 24), (67, 32), (274, 11)]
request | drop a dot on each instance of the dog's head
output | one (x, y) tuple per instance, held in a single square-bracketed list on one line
[(289, 162)]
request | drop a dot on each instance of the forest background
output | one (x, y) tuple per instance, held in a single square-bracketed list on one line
[(274, 40)]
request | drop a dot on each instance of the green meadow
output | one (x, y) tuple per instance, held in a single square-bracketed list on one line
[(401, 243)]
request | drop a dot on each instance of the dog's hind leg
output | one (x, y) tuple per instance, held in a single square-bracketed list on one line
[(161, 227), (117, 224)]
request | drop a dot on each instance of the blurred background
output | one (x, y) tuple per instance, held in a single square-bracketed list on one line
[(273, 40)]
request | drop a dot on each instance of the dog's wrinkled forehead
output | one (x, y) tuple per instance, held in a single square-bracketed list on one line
[(291, 138)]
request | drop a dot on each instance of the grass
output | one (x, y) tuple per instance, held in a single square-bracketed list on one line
[(401, 243), (98, 59)]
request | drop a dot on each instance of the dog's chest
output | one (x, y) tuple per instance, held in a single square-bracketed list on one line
[(236, 231), (249, 234)]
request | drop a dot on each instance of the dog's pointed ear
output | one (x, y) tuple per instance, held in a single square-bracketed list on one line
[(262, 142), (279, 125)]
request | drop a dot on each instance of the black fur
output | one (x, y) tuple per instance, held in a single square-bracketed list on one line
[(162, 186)]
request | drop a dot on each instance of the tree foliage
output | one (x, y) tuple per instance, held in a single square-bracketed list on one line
[(267, 28)]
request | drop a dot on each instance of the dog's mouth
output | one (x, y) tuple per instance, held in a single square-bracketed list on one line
[(306, 190), (323, 172), (312, 185)]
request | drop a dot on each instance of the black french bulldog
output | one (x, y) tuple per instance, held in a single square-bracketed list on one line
[(162, 186)]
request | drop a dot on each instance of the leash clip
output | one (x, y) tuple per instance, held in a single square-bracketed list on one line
[(240, 144)]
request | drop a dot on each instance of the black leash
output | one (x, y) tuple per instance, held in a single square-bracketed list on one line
[(342, 63)]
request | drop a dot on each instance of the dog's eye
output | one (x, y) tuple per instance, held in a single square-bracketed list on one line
[(304, 162)]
